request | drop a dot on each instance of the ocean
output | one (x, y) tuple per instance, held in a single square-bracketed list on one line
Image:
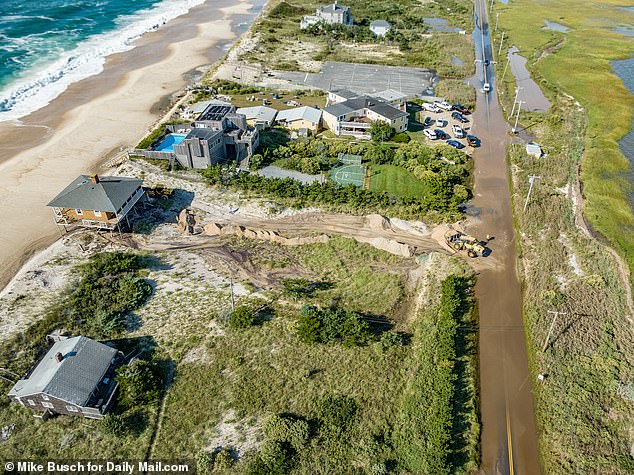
[(46, 45)]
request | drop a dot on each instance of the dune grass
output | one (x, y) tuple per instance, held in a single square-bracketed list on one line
[(580, 66)]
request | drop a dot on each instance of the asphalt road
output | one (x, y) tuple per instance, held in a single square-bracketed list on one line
[(509, 436)]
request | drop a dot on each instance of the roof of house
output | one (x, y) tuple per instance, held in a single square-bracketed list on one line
[(334, 7), (389, 95), (74, 378), (365, 102), (307, 113), (109, 194), (258, 113), (199, 107), (203, 133), (345, 93), (380, 23)]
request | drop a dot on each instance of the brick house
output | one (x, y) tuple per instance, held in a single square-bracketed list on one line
[(75, 377)]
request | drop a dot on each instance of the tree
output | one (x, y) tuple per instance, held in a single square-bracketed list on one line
[(381, 131), (139, 383), (242, 317)]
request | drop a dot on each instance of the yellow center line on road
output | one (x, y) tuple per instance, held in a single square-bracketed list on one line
[(509, 439)]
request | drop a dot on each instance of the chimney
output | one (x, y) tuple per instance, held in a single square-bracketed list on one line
[(94, 178), (59, 357)]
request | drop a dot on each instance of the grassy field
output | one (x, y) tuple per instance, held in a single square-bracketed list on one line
[(585, 52), (282, 45), (584, 407), (228, 383), (395, 180)]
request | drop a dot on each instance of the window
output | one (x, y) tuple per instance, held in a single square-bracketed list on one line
[(97, 213), (48, 405), (45, 397), (79, 212), (31, 402), (72, 409)]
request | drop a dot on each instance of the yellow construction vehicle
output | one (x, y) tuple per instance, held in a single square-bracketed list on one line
[(463, 242)]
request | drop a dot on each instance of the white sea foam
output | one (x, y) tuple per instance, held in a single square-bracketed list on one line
[(41, 86)]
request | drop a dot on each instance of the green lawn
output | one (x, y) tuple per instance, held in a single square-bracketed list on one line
[(395, 180)]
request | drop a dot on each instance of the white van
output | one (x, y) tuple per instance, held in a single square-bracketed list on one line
[(443, 105), (486, 88), (440, 123), (430, 134), (457, 131), (430, 107)]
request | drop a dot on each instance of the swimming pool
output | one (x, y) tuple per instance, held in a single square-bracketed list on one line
[(167, 145)]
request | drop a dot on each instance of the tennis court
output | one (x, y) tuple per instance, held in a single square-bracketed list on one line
[(352, 174)]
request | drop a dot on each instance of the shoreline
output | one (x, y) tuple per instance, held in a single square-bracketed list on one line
[(96, 117)]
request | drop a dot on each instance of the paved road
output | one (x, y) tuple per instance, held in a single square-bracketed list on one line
[(509, 437)]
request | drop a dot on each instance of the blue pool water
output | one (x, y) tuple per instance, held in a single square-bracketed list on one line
[(167, 145)]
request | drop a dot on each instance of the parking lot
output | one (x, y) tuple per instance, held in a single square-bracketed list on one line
[(366, 78), (442, 121)]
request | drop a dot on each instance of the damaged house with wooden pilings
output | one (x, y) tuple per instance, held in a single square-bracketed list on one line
[(97, 202)]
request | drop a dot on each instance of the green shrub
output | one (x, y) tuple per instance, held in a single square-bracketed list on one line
[(337, 412), (402, 137), (285, 428), (140, 383), (242, 317), (114, 424), (381, 131)]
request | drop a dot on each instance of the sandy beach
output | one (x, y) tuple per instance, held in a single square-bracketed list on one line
[(99, 116)]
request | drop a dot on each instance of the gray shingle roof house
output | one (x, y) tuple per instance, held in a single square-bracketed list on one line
[(94, 201), (380, 27), (355, 116), (76, 376), (329, 14), (258, 115)]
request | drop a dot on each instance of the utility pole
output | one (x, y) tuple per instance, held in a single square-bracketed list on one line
[(517, 117), (508, 60), (517, 93), (552, 325), (501, 42), (497, 19), (531, 180), (491, 5), (233, 302)]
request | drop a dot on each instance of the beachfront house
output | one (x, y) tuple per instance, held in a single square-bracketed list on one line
[(258, 116), (102, 202), (329, 14), (355, 116), (218, 135), (75, 377), (380, 27), (194, 110), (300, 118)]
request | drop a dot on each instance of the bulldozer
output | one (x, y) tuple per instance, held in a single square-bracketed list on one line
[(463, 242)]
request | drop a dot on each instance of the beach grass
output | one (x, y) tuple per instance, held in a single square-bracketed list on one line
[(585, 53)]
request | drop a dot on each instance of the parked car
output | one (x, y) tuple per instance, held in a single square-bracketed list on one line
[(459, 117), (430, 134), (441, 134), (427, 121), (473, 140), (429, 107), (443, 105), (460, 108), (440, 123), (457, 131), (455, 144)]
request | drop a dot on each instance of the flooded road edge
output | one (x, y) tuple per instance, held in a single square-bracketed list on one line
[(509, 436)]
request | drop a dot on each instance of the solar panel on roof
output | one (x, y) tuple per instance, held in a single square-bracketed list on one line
[(215, 112)]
